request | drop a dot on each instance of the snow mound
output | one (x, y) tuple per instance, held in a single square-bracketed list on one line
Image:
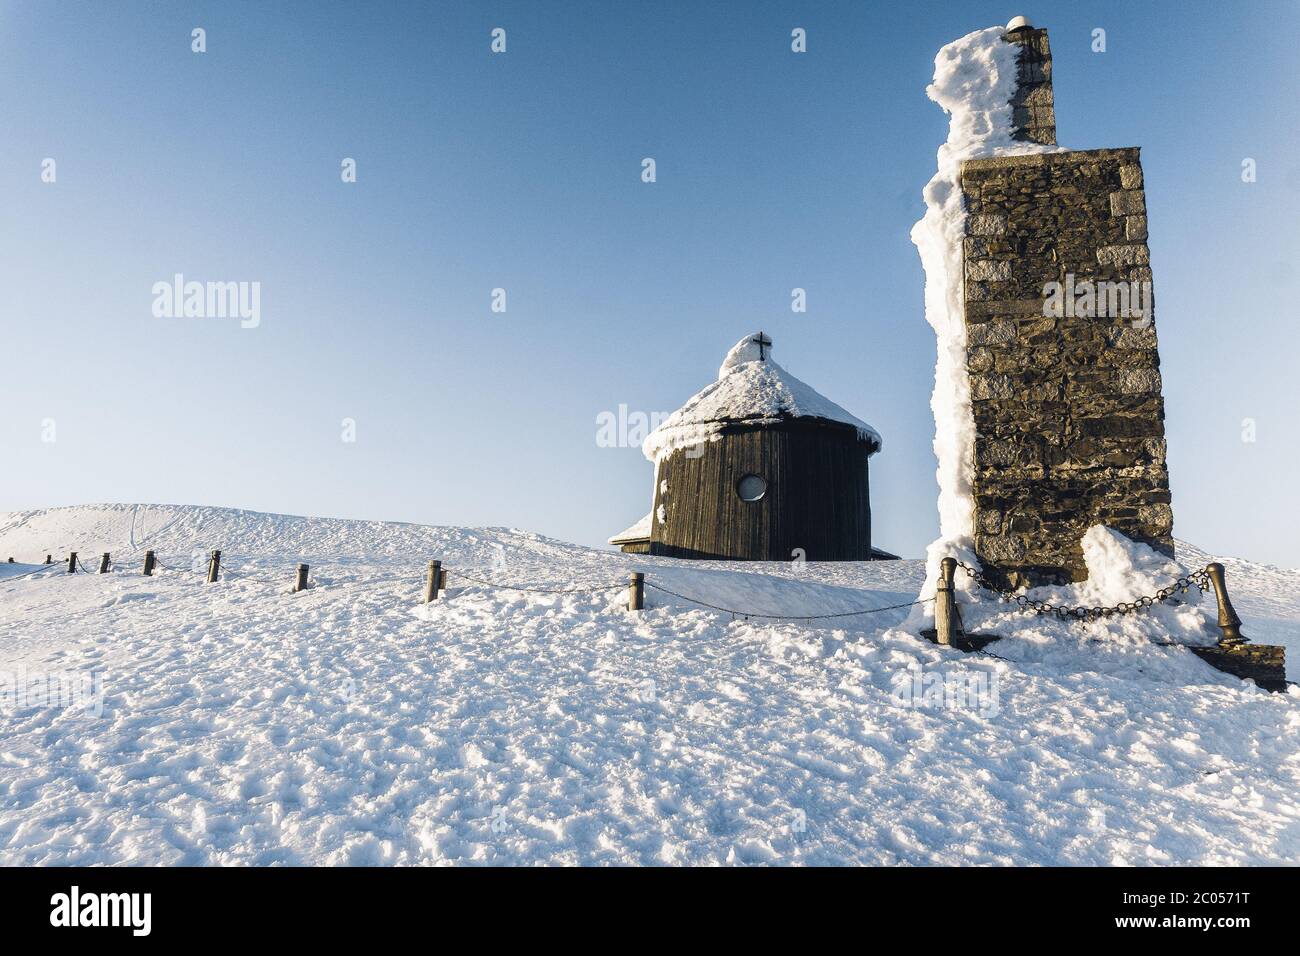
[(751, 389), (1119, 571), (1118, 567)]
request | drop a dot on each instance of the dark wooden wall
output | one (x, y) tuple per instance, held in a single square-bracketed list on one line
[(818, 496)]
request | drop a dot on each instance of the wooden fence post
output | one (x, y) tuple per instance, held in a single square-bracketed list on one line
[(148, 564), (947, 623), (1229, 622), (103, 563), (72, 562), (214, 567), (432, 581), (300, 580), (636, 591)]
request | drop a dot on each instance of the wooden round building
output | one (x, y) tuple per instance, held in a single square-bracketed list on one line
[(758, 466)]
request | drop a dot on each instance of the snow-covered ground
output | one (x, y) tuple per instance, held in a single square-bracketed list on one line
[(240, 723)]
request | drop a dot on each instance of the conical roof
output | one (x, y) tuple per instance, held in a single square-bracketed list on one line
[(751, 389)]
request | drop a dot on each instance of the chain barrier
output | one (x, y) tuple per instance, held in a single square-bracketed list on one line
[(158, 563), (222, 571), (1200, 579), (535, 590), (28, 574), (241, 574), (785, 617), (225, 571), (244, 574)]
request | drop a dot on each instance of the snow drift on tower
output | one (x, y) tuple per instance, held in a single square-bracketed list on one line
[(974, 82)]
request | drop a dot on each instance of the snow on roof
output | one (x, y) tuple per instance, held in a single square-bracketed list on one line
[(752, 389), (638, 532)]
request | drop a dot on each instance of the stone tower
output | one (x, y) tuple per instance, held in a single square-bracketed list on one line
[(1061, 345)]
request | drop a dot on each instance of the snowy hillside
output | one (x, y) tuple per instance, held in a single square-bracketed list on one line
[(352, 724)]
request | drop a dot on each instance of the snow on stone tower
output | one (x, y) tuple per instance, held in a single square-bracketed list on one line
[(1038, 282), (1033, 115)]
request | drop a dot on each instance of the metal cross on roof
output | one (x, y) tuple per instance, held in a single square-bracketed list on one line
[(762, 341)]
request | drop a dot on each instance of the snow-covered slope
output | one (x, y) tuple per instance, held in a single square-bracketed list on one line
[(351, 724)]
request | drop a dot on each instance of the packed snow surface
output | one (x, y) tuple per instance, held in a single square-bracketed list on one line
[(237, 723), (752, 389)]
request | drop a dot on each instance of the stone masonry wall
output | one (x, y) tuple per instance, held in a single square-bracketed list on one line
[(1032, 110), (1068, 412)]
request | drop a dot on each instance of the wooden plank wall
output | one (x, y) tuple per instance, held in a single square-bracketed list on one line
[(818, 496)]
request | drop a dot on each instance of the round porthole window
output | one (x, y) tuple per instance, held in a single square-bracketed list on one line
[(751, 488)]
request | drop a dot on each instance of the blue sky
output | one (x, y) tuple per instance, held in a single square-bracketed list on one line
[(521, 171)]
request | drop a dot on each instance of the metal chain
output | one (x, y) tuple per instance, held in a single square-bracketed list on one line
[(241, 574), (515, 587), (1201, 579), (28, 574), (785, 617), (158, 563)]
